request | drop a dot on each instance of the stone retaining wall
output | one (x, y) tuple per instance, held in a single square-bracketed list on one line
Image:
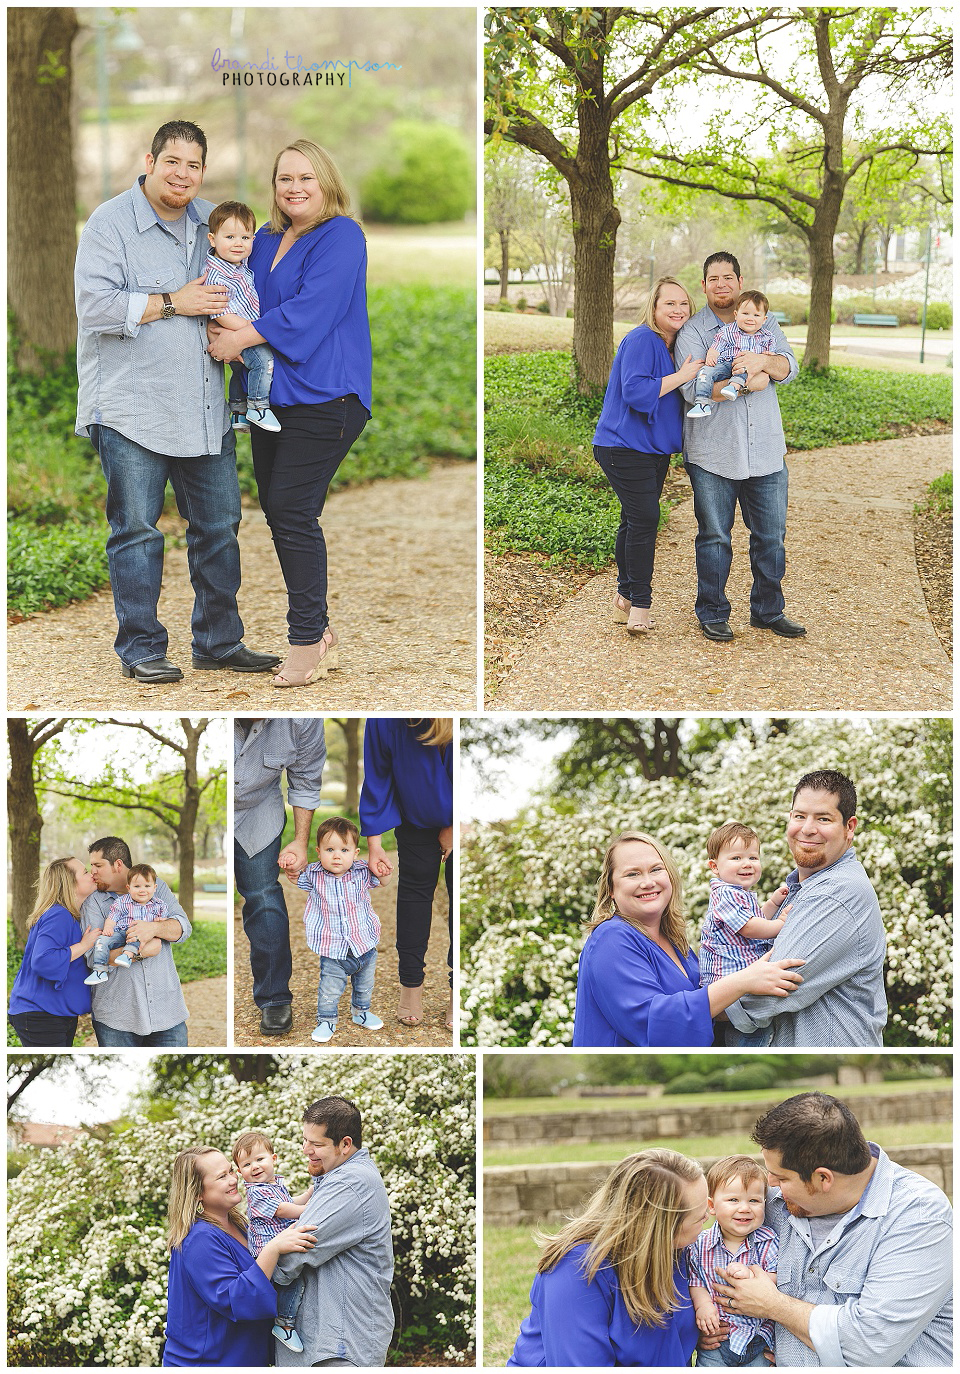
[(545, 1194), (668, 1121)]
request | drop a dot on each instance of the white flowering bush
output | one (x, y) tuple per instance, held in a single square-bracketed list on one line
[(527, 887), (86, 1236)]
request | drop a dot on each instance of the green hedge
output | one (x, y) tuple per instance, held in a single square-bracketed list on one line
[(424, 398)]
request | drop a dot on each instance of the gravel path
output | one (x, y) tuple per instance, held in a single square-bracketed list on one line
[(432, 1033), (397, 550), (851, 579)]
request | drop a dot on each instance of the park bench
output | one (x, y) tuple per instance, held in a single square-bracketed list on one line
[(213, 887), (781, 317), (890, 321)]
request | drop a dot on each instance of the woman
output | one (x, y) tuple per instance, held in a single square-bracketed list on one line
[(408, 788), (640, 426), (611, 1288), (49, 995), (639, 982), (310, 266), (220, 1301)]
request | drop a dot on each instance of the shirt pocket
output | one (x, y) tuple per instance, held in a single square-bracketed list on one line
[(276, 763), (157, 281), (847, 1274)]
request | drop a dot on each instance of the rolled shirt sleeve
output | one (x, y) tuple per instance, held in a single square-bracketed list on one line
[(105, 304), (908, 1278), (305, 773)]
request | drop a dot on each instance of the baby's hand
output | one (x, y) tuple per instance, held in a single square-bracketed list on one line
[(712, 356), (708, 1320), (780, 896), (739, 1271)]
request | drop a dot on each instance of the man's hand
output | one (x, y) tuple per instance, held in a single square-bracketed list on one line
[(746, 1289), (293, 859), (151, 947), (142, 931), (196, 298), (446, 842)]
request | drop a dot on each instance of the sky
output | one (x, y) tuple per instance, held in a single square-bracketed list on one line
[(65, 1101), (87, 751), (516, 781)]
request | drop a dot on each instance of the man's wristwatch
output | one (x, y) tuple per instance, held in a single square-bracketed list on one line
[(168, 309)]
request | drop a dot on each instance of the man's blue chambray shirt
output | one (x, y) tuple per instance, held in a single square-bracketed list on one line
[(881, 1280), (147, 997), (154, 383), (294, 744), (835, 925), (742, 438)]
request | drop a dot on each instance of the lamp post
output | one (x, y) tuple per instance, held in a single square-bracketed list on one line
[(926, 291)]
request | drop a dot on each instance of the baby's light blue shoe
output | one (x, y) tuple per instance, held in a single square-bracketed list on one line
[(366, 1019), (732, 389), (99, 975), (264, 418), (288, 1337), (123, 961), (699, 410), (325, 1031), (239, 423)]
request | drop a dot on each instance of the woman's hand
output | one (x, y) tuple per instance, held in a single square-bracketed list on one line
[(688, 369), (295, 1239), (767, 979), (377, 861), (225, 347), (446, 842)]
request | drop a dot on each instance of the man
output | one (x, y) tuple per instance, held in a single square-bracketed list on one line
[(141, 1005), (346, 1316), (864, 1275), (833, 922), (152, 402), (262, 750), (737, 455)]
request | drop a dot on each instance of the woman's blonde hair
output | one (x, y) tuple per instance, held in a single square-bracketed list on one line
[(650, 307), (438, 730), (631, 1223), (336, 197), (186, 1185), (673, 922), (57, 883)]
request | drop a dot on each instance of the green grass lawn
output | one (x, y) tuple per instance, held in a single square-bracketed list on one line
[(548, 1106), (901, 1133), (509, 1264), (544, 493)]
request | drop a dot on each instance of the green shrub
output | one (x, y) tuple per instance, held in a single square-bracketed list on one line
[(426, 175), (52, 565), (685, 1083), (939, 315), (204, 955), (743, 1078), (939, 498), (907, 312)]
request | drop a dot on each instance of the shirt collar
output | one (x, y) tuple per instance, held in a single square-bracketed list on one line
[(146, 216)]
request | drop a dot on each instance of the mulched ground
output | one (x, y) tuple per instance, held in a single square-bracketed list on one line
[(933, 543), (431, 1034)]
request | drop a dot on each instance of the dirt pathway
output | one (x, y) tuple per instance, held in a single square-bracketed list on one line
[(206, 1000), (851, 579), (403, 560), (306, 965)]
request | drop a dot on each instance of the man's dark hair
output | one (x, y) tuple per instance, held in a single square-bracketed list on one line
[(338, 1116), (829, 780), (814, 1131), (183, 129), (721, 257), (112, 848)]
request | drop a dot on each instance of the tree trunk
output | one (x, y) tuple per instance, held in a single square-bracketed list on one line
[(596, 220), (504, 262), (41, 232), (816, 355), (187, 821), (351, 730), (26, 824), (861, 245)]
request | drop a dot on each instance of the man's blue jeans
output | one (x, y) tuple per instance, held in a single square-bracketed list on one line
[(208, 498), (360, 969), (175, 1037), (265, 923), (258, 361), (763, 504)]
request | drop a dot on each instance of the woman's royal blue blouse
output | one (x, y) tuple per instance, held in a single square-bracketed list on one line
[(634, 414), (48, 979), (404, 779), (220, 1303), (313, 313), (629, 992)]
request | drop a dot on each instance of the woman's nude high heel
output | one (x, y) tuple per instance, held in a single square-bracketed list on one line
[(306, 662)]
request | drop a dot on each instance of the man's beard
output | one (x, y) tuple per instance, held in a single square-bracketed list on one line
[(808, 856), (175, 200)]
